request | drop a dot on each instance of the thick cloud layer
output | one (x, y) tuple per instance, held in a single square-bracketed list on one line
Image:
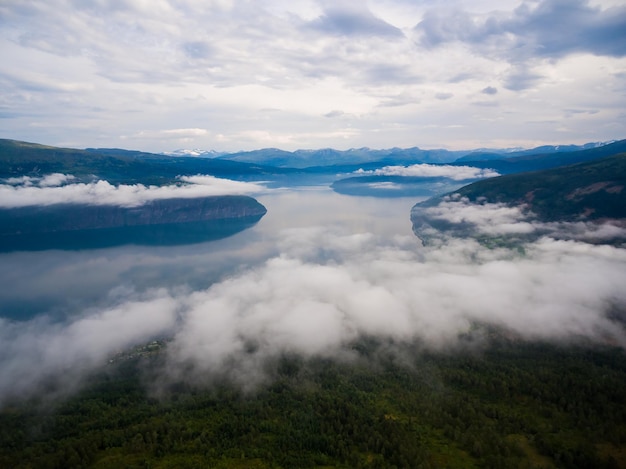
[(456, 173), (383, 73), (301, 303), (27, 191), (326, 289), (535, 29)]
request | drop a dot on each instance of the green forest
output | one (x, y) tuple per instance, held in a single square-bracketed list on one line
[(590, 191), (511, 404)]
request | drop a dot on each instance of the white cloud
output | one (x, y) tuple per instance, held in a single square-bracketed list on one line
[(496, 219), (457, 173), (186, 132), (297, 303), (325, 289), (55, 179), (49, 192), (96, 73), (41, 350), (384, 185)]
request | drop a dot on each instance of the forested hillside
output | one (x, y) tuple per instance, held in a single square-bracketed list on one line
[(591, 190), (116, 166), (512, 405)]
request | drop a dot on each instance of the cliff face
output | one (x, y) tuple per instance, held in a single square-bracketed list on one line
[(73, 217)]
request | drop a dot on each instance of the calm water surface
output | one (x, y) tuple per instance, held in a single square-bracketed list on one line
[(67, 283)]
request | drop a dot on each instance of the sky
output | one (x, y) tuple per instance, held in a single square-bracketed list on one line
[(230, 75)]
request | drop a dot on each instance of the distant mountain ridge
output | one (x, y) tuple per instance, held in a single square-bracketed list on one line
[(128, 166), (529, 161), (19, 158), (488, 155), (329, 157)]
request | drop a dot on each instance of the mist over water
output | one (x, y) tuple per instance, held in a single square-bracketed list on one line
[(316, 273), (67, 281)]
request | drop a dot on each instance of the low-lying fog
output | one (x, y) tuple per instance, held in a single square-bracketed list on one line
[(317, 272)]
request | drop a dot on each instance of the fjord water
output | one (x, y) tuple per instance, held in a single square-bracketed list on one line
[(65, 283)]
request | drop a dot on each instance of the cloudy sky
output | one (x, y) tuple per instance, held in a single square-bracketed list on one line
[(241, 74)]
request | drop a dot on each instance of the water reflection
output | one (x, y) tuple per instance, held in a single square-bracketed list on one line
[(147, 235), (65, 283)]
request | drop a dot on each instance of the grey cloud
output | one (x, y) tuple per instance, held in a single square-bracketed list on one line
[(335, 113), (521, 78), (573, 112), (548, 28), (177, 41), (461, 77), (444, 96), (439, 27), (489, 90), (198, 49), (389, 73), (350, 21)]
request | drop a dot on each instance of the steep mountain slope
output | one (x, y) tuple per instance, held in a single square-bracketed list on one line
[(591, 190), (115, 165), (584, 202)]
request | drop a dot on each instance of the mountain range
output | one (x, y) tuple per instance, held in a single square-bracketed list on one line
[(356, 156), (556, 183), (128, 166)]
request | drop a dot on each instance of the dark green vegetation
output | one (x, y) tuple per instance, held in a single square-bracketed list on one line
[(512, 405), (116, 166), (585, 191)]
